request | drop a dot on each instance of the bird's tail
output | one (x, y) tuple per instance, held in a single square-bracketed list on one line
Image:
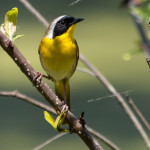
[(59, 89)]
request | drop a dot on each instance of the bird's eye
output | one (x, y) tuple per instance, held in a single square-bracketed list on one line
[(63, 23)]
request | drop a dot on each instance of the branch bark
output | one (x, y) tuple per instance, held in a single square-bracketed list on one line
[(138, 112), (103, 138), (29, 100), (43, 88)]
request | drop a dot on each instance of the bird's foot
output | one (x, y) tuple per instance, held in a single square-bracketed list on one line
[(64, 107), (38, 77)]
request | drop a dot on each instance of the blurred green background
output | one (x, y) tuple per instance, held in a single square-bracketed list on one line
[(103, 37)]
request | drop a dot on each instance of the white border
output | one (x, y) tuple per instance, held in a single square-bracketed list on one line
[(52, 26)]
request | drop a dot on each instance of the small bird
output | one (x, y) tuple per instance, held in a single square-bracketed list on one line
[(59, 54)]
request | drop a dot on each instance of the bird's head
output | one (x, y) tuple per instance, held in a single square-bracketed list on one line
[(61, 25)]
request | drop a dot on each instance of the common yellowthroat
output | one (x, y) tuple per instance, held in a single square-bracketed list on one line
[(59, 54)]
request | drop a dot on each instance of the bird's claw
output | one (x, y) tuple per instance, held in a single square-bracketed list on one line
[(38, 77), (64, 107)]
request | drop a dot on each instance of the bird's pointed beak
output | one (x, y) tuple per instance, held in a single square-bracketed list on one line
[(76, 20)]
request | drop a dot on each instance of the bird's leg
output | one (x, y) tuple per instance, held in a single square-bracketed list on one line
[(65, 106), (65, 97), (38, 77)]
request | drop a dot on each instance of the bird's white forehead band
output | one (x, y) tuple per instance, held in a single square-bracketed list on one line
[(52, 26)]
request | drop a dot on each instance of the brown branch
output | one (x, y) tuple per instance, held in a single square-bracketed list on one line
[(40, 105), (138, 23), (140, 29), (103, 139), (113, 91), (43, 88), (131, 102), (27, 99)]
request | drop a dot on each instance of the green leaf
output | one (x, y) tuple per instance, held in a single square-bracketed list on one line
[(16, 37), (10, 22), (60, 119), (50, 119), (56, 124)]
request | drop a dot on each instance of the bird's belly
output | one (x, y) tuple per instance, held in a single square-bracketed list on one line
[(60, 61), (59, 68)]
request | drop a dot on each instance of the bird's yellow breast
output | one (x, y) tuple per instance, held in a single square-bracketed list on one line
[(59, 55)]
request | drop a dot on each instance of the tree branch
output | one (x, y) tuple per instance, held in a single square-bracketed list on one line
[(43, 88), (84, 70), (27, 99), (35, 12), (131, 102), (40, 105), (138, 23), (103, 138)]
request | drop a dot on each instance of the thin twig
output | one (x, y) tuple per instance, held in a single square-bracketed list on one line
[(103, 138), (49, 141), (35, 12), (25, 98), (84, 70), (45, 90), (138, 23), (142, 34), (119, 98), (43, 106), (132, 104)]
